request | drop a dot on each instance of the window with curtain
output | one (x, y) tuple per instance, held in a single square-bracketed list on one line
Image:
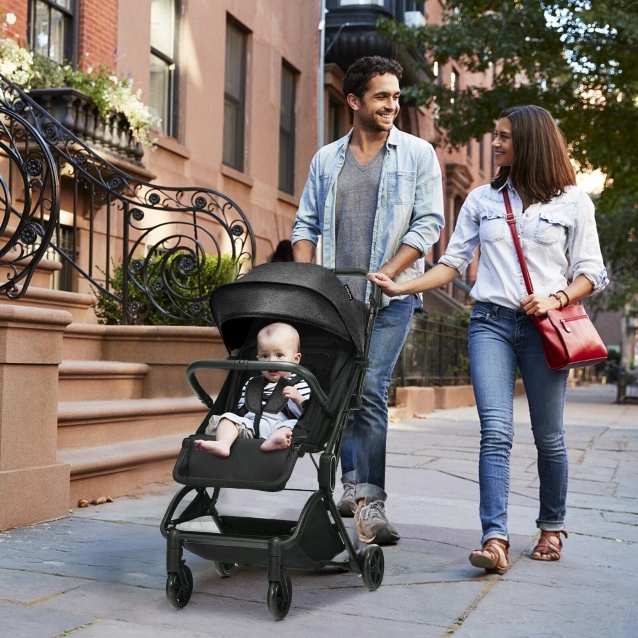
[(235, 95), (163, 64), (52, 29), (287, 130)]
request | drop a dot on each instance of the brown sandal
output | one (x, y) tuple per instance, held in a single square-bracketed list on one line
[(549, 546), (492, 556)]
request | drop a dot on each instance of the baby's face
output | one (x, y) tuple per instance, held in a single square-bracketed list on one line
[(274, 348)]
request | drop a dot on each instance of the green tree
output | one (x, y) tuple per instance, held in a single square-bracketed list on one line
[(576, 58)]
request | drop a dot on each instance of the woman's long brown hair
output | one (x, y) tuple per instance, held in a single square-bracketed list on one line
[(541, 166)]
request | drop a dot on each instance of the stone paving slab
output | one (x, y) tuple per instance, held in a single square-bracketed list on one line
[(18, 621), (20, 587)]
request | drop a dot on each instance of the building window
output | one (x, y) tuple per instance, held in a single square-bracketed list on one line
[(163, 87), (482, 154), (53, 29), (287, 130), (469, 150), (235, 95), (335, 117)]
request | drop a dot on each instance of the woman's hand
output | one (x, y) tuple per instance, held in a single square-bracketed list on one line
[(386, 284), (537, 306)]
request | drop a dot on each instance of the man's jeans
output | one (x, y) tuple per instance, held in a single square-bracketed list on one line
[(499, 340), (363, 450)]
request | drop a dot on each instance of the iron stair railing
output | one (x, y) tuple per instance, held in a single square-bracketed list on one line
[(164, 235), (31, 185)]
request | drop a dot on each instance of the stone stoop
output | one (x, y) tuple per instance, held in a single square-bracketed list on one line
[(116, 448), (125, 405), (100, 380), (79, 305), (42, 275)]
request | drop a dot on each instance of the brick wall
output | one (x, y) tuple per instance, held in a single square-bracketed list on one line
[(18, 30), (98, 29), (98, 33)]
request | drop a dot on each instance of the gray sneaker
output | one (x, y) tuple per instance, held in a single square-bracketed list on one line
[(347, 506), (373, 524)]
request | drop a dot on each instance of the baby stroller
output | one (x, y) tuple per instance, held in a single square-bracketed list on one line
[(334, 330)]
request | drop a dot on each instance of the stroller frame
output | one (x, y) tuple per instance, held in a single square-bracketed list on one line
[(276, 544)]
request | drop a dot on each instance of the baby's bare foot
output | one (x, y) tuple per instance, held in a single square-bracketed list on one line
[(277, 441), (212, 447)]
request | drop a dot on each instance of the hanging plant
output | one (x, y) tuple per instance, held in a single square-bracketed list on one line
[(110, 93)]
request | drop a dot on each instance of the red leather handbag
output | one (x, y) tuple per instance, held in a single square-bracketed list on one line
[(569, 337)]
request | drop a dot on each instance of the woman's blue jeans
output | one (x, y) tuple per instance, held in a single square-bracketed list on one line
[(364, 443), (500, 339)]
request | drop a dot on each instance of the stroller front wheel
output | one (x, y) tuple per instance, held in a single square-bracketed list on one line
[(177, 596), (277, 605), (372, 566), (224, 569)]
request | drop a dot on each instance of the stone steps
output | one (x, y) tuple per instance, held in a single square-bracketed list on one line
[(100, 380), (79, 305), (124, 468), (117, 447), (125, 405), (41, 277)]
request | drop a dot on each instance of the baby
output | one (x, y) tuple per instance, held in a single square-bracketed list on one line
[(276, 342)]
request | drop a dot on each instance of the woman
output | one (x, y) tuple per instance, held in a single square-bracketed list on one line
[(554, 217)]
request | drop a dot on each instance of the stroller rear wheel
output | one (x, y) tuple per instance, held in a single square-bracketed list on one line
[(224, 569), (177, 596), (372, 566), (277, 605)]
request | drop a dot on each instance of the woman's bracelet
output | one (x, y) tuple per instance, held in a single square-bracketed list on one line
[(567, 300), (557, 296)]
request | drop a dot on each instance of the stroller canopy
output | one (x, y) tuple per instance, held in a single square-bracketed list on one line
[(290, 292)]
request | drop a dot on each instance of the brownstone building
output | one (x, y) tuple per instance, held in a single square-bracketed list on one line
[(237, 85)]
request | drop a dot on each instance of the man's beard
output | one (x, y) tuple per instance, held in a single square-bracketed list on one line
[(369, 122)]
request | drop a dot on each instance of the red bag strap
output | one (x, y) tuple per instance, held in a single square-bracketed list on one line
[(517, 242)]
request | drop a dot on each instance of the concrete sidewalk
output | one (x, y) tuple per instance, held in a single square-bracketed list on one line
[(100, 572)]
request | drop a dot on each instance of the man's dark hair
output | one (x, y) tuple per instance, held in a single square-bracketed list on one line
[(359, 73)]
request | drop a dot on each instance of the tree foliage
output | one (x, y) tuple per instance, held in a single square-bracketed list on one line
[(576, 58)]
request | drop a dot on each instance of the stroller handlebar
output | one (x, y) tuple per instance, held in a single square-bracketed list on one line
[(256, 366), (375, 296)]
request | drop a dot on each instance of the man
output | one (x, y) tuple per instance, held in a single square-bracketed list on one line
[(375, 198)]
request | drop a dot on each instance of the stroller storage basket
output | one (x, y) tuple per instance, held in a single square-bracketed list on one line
[(335, 331)]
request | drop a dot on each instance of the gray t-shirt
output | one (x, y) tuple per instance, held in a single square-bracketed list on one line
[(356, 208)]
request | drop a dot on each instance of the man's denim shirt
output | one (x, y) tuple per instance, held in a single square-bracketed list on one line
[(409, 204), (548, 232)]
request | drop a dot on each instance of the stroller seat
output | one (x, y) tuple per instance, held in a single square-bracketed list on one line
[(334, 332), (248, 467)]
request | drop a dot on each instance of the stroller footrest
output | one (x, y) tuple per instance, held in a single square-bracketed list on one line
[(248, 467)]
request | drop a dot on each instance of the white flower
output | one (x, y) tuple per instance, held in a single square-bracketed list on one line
[(16, 63), (11, 18)]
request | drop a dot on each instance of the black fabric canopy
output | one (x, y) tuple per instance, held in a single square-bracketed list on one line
[(291, 292)]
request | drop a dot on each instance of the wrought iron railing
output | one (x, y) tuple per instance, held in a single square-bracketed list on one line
[(172, 242), (435, 353), (29, 194)]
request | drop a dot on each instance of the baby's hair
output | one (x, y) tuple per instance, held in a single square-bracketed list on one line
[(280, 327)]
